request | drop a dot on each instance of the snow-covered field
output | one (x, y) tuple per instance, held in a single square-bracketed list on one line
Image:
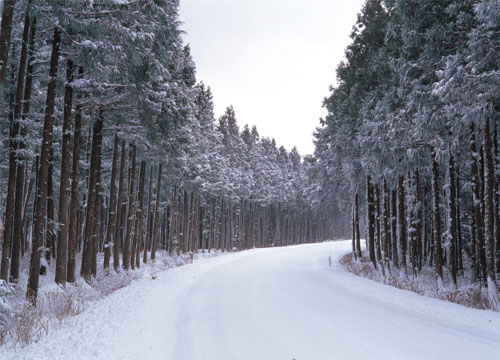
[(280, 303)]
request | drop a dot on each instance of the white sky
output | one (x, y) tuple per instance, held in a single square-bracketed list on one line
[(273, 60)]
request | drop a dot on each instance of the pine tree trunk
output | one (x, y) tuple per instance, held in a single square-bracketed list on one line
[(394, 233), (138, 227), (129, 219), (110, 229), (377, 222), (453, 222), (496, 197), (354, 252), (371, 221), (178, 224), (26, 109), (17, 145), (387, 235), (73, 207), (92, 200), (119, 207), (27, 197), (438, 250), (50, 217), (478, 253), (356, 220), (147, 243), (155, 215), (413, 227), (62, 231), (173, 211), (420, 222), (191, 222), (40, 211), (402, 226), (5, 35), (489, 219)]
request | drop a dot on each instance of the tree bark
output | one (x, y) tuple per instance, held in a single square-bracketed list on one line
[(356, 220), (73, 207), (112, 206), (489, 219), (40, 212), (402, 226), (377, 227), (92, 199), (387, 235), (371, 221), (62, 233), (5, 35), (453, 221), (478, 251), (496, 197), (394, 233), (438, 250), (155, 216), (119, 207), (130, 212), (138, 216), (17, 145)]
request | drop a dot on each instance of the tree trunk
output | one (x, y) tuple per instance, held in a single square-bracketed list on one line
[(73, 207), (155, 215), (173, 211), (129, 219), (138, 233), (5, 35), (387, 235), (377, 222), (62, 232), (394, 234), (496, 198), (489, 221), (147, 244), (354, 252), (438, 250), (356, 220), (119, 207), (92, 199), (402, 226), (478, 251), (453, 221), (50, 217), (17, 144), (110, 229), (371, 221), (40, 211)]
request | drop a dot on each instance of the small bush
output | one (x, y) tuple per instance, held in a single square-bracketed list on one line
[(470, 296), (27, 325)]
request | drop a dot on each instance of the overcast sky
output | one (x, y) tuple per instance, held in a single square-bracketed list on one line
[(273, 60)]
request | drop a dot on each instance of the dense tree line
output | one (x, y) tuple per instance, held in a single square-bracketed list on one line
[(112, 150), (412, 133)]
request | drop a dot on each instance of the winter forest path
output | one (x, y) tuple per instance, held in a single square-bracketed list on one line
[(280, 303)]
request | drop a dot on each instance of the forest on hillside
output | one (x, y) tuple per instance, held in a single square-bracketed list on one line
[(112, 150), (411, 143)]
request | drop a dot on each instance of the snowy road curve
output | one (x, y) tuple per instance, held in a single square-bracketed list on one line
[(270, 304)]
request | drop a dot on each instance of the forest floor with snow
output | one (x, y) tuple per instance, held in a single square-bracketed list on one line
[(55, 303), (276, 303), (425, 284)]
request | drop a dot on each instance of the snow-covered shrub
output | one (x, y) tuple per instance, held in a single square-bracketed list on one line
[(27, 325), (5, 309)]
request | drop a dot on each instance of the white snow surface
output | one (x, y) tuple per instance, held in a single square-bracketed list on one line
[(270, 304)]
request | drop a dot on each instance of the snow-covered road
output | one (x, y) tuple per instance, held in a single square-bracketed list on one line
[(270, 304)]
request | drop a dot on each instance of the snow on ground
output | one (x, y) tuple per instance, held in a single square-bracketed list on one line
[(280, 303)]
